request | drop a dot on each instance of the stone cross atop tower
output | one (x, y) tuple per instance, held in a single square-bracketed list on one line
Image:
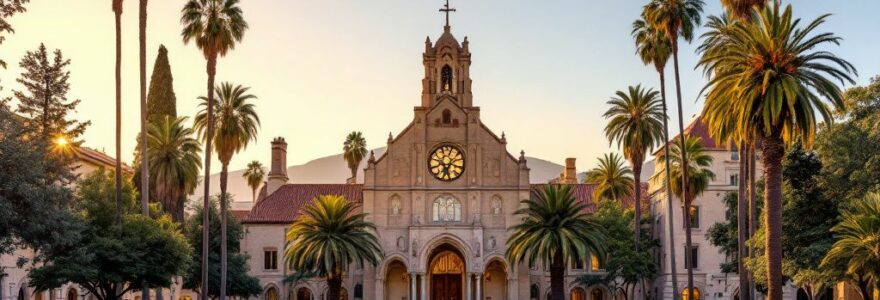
[(447, 68)]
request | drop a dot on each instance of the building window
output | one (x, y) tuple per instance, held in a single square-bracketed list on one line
[(446, 78), (695, 259), (694, 214), (577, 264), (271, 294), (685, 292), (594, 263), (270, 259), (446, 209), (734, 155), (734, 179)]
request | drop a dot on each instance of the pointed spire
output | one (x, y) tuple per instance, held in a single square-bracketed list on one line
[(372, 158)]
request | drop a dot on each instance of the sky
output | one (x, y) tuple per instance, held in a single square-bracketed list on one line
[(542, 70)]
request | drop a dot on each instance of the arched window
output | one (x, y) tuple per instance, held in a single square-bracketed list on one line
[(446, 209), (597, 294), (446, 78), (72, 294), (533, 292), (358, 291), (303, 294), (685, 292), (578, 294)]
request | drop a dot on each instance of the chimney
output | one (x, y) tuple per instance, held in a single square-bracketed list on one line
[(569, 175), (278, 172)]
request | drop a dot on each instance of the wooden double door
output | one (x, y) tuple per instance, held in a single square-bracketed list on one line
[(446, 287)]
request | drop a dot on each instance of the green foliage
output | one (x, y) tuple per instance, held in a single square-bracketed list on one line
[(254, 175), (240, 283), (30, 190), (676, 18), (111, 259), (161, 101), (621, 261), (235, 120), (554, 230), (613, 178), (699, 164), (354, 149), (44, 100), (214, 25), (175, 160), (652, 45), (858, 241), (635, 122), (327, 237), (7, 10)]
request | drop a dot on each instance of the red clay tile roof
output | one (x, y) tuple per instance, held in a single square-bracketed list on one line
[(101, 159), (697, 128), (584, 194), (282, 206), (240, 214)]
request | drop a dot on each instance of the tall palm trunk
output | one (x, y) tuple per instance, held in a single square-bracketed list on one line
[(557, 276), (742, 215), (209, 138), (753, 211), (117, 11), (224, 174), (669, 211), (773, 151), (145, 162), (684, 175), (637, 194)]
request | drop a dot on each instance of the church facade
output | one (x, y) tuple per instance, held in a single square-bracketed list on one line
[(442, 196)]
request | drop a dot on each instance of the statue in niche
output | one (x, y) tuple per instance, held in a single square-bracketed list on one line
[(477, 247), (491, 244), (496, 206), (401, 243), (415, 248), (395, 207)]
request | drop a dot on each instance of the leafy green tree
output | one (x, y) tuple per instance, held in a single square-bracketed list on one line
[(327, 237), (235, 127), (241, 284), (44, 98), (151, 251), (770, 78), (254, 175), (636, 124), (215, 26), (613, 179), (555, 229), (161, 100), (724, 234), (354, 150), (858, 238), (742, 9), (7, 10), (29, 190), (624, 265), (175, 163)]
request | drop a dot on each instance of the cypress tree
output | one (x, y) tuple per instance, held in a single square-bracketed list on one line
[(44, 99), (161, 101)]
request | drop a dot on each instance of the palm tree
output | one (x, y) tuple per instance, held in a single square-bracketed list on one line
[(327, 237), (215, 26), (254, 176), (145, 173), (767, 76), (636, 124), (676, 18), (613, 179), (555, 229), (687, 188), (653, 47), (236, 125), (742, 9), (858, 241), (175, 163), (117, 12), (354, 150)]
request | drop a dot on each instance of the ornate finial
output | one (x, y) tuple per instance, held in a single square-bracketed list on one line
[(503, 137), (522, 155), (372, 158), (446, 9), (390, 137)]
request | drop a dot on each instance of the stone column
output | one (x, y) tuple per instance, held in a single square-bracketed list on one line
[(380, 289), (412, 285), (467, 287), (479, 286), (513, 289), (424, 286)]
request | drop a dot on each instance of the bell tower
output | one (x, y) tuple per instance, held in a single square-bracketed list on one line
[(447, 68)]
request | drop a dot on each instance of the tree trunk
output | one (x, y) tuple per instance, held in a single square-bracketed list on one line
[(773, 151), (354, 174), (753, 211), (637, 195), (334, 287), (669, 210), (209, 138), (685, 164), (224, 174), (742, 215), (557, 276), (145, 173), (117, 9)]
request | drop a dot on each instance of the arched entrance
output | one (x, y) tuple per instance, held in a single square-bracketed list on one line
[(396, 281), (72, 294), (597, 294), (446, 274), (578, 294), (303, 293), (271, 294), (495, 281)]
